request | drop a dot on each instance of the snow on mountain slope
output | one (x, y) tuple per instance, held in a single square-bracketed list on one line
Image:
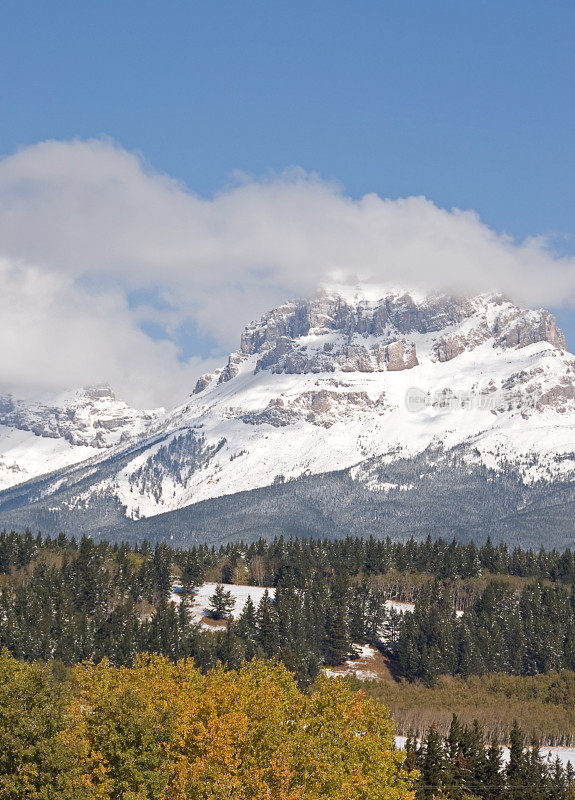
[(336, 382), (37, 437)]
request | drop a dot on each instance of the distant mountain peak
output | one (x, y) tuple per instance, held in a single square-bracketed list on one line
[(41, 435), (98, 391)]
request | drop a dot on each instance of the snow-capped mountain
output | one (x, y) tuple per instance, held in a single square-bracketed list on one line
[(342, 382), (39, 436)]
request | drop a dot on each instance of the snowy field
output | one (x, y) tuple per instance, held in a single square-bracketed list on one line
[(564, 754), (201, 604)]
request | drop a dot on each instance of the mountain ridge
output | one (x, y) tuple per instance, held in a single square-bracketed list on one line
[(328, 385)]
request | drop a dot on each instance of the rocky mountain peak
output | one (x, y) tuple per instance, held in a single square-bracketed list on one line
[(331, 332), (40, 435), (99, 391), (90, 417)]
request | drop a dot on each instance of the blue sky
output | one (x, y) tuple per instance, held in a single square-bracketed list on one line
[(468, 103)]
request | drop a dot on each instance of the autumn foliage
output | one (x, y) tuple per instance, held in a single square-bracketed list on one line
[(164, 730)]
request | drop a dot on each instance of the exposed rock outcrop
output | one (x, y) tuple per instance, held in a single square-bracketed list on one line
[(330, 334), (202, 382), (323, 408), (531, 327), (91, 417)]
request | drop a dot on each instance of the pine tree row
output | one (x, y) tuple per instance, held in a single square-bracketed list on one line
[(265, 563), (520, 632), (464, 766)]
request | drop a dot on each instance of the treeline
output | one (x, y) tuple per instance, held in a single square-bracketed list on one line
[(166, 731), (264, 563), (463, 765), (521, 632), (96, 601)]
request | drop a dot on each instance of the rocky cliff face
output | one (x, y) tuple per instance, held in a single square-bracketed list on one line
[(331, 334)]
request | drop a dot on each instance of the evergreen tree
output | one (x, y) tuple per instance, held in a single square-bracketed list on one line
[(221, 602), (337, 642), (432, 764), (247, 629), (268, 627), (494, 778), (517, 768)]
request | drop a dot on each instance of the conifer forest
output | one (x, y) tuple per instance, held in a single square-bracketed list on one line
[(112, 687)]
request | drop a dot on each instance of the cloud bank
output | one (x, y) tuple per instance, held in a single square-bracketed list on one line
[(84, 223)]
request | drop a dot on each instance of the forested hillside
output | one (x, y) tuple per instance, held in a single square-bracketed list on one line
[(476, 610), (435, 492), (469, 612)]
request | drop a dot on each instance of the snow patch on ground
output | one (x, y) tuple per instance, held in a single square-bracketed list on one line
[(201, 603), (363, 667), (404, 608), (564, 754)]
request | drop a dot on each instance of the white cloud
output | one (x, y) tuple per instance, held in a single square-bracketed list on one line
[(57, 335), (88, 213)]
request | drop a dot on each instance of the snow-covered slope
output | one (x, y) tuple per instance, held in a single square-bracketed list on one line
[(39, 436), (348, 382), (323, 385)]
